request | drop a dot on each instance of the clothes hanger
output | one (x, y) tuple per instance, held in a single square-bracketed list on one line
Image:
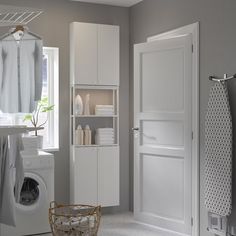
[(21, 30), (18, 32)]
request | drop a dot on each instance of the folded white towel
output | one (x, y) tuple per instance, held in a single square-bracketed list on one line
[(104, 143), (105, 140), (104, 113), (105, 109), (107, 134), (105, 137), (104, 106), (105, 129)]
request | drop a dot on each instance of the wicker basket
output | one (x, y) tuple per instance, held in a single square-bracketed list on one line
[(74, 220)]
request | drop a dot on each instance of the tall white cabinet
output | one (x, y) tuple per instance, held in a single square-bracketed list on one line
[(94, 61)]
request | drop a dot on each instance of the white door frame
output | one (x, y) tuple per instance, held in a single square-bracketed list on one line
[(194, 30)]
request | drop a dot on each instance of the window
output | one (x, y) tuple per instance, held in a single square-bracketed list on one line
[(50, 90)]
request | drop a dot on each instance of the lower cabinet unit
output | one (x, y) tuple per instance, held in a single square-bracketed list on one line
[(96, 176)]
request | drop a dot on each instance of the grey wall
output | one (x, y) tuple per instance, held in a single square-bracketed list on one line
[(217, 52), (53, 26), (150, 17)]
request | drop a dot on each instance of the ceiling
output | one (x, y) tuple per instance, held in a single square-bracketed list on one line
[(122, 3)]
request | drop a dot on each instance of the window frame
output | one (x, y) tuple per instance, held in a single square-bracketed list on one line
[(53, 98), (52, 54)]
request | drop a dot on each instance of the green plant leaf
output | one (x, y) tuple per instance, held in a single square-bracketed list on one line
[(48, 108), (28, 117), (43, 106), (43, 102)]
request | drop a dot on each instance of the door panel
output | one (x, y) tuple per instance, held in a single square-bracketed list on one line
[(108, 55), (108, 176), (85, 176), (84, 53), (168, 86), (162, 146), (163, 177), (162, 133)]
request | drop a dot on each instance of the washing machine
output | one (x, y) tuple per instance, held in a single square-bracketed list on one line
[(36, 194)]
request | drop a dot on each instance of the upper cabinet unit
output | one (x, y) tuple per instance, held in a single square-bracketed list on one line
[(94, 54)]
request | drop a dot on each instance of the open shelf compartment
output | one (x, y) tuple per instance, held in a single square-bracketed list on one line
[(98, 96)]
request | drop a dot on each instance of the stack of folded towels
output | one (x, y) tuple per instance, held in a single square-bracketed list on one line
[(104, 110), (104, 136)]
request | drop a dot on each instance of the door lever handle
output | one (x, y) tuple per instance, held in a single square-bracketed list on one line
[(135, 129)]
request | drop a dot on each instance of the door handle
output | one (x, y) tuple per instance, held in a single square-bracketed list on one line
[(135, 129)]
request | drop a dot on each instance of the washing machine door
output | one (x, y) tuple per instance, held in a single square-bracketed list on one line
[(33, 194)]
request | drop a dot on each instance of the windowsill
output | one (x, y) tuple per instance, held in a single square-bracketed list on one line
[(51, 149)]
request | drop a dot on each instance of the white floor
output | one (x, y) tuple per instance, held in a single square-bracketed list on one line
[(122, 225)]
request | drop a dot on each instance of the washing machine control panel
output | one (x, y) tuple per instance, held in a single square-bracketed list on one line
[(27, 163), (38, 162)]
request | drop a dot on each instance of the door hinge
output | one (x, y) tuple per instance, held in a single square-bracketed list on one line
[(192, 135), (192, 221), (192, 48)]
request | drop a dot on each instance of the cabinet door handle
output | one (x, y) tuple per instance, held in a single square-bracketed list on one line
[(135, 129)]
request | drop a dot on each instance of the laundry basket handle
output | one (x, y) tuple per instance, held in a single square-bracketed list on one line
[(53, 204)]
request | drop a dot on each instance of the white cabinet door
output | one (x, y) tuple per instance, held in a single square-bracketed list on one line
[(83, 53), (85, 174), (108, 176), (108, 55)]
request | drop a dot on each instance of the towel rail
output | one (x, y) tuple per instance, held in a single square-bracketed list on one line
[(218, 79)]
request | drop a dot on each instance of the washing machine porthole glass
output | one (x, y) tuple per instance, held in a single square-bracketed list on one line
[(29, 192)]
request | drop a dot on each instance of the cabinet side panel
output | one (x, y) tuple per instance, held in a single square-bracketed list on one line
[(72, 183), (72, 53)]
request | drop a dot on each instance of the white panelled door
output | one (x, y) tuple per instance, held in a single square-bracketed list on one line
[(163, 138)]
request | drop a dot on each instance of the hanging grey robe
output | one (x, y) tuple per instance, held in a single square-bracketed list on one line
[(20, 74), (16, 146), (11, 177), (7, 204)]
